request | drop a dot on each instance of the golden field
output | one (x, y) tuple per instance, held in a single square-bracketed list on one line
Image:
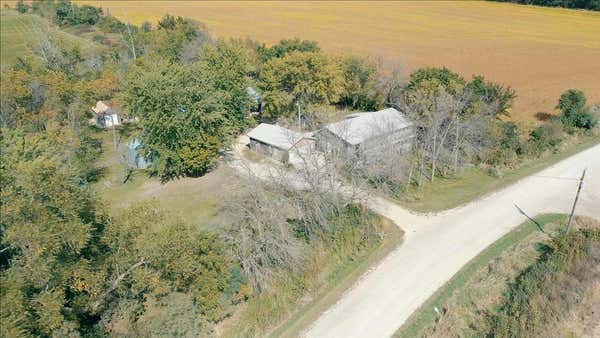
[(538, 51)]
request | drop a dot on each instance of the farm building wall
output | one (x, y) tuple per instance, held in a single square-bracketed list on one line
[(328, 142), (403, 138), (108, 120), (274, 152)]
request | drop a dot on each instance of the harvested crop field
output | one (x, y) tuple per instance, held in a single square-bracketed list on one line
[(538, 51)]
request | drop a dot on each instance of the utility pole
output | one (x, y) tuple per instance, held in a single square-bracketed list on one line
[(575, 202), (114, 132), (299, 121)]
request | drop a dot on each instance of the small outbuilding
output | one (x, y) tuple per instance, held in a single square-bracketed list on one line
[(136, 159), (105, 116), (256, 99), (274, 140), (367, 133)]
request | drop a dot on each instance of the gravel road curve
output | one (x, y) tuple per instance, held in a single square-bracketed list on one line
[(436, 247)]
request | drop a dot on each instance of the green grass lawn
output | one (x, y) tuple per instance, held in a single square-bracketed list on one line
[(19, 33), (472, 183), (197, 201), (462, 286)]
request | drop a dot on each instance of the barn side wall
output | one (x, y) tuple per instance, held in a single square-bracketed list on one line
[(276, 153), (403, 138), (328, 142)]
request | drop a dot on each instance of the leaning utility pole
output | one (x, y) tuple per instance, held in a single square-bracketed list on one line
[(575, 202)]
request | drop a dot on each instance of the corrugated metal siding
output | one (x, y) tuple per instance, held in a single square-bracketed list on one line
[(266, 149)]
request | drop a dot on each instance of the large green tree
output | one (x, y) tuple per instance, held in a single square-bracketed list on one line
[(302, 78), (154, 255), (360, 76), (188, 114), (48, 234)]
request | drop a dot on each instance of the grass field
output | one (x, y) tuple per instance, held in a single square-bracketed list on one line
[(18, 34), (480, 283), (539, 51), (473, 183), (197, 201)]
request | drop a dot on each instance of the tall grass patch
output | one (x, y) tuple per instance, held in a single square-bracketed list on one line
[(359, 238), (550, 288)]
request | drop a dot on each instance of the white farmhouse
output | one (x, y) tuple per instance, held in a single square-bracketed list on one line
[(105, 116)]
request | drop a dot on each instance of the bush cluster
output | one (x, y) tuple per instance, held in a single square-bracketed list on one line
[(509, 145), (549, 289)]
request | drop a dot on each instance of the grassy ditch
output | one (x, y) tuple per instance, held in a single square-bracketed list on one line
[(470, 184), (562, 283), (297, 301), (456, 297)]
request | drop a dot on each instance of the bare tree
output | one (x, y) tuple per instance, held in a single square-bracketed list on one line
[(131, 42), (391, 85), (46, 48), (261, 238)]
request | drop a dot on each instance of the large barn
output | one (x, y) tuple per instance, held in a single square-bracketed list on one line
[(274, 141), (367, 133)]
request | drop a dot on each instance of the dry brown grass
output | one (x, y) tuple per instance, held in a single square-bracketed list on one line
[(467, 311), (583, 321), (539, 51), (464, 313)]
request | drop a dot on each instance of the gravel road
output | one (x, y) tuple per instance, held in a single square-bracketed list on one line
[(437, 246)]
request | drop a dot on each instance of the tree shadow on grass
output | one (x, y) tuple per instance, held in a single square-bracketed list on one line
[(544, 116)]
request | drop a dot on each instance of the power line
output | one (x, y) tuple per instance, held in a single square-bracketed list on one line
[(558, 177)]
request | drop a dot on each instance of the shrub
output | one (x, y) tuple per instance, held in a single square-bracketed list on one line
[(110, 24), (21, 7), (553, 286), (544, 137), (506, 148), (574, 113)]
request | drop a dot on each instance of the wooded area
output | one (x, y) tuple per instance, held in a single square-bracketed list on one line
[(69, 267)]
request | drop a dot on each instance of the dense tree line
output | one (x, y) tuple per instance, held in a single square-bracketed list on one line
[(63, 12), (461, 123), (208, 102), (67, 268), (593, 5)]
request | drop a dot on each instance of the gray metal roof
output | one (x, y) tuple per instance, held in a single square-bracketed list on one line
[(276, 136), (359, 127)]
